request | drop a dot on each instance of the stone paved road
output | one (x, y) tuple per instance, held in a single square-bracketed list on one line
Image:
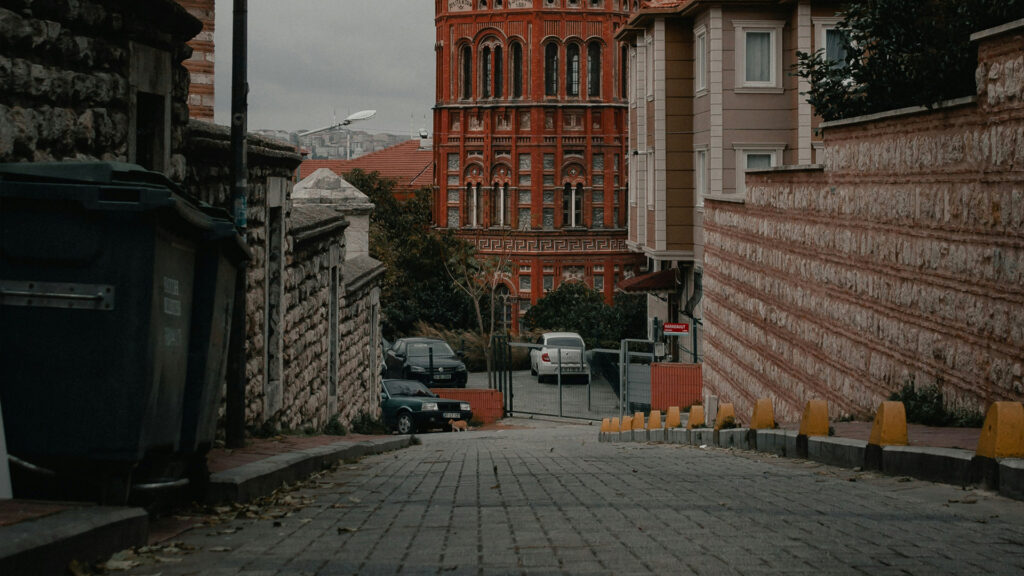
[(552, 500)]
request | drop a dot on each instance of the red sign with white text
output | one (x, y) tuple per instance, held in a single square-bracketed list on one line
[(675, 328)]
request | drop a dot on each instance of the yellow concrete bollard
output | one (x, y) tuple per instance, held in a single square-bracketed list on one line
[(638, 421), (696, 417), (604, 425), (890, 427), (764, 415), (672, 419), (613, 424), (725, 412), (1002, 435), (654, 420), (627, 424), (815, 419)]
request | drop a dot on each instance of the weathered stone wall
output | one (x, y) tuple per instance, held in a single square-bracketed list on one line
[(65, 73), (359, 391), (307, 332), (209, 161), (902, 260)]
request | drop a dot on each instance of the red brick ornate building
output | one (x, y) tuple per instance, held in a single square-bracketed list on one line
[(530, 139)]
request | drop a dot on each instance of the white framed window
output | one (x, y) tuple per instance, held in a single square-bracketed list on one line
[(758, 55), (829, 38), (755, 157), (700, 60), (700, 177)]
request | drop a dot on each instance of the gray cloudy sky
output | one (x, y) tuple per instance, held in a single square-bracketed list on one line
[(310, 58)]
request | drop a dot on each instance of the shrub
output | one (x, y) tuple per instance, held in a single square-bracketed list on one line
[(366, 424), (926, 405), (335, 427)]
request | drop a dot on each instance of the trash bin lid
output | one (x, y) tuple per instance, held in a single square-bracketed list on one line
[(86, 172)]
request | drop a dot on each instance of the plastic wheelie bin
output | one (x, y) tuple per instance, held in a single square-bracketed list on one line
[(97, 266)]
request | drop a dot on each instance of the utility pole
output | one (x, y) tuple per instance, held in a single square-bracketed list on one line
[(236, 380)]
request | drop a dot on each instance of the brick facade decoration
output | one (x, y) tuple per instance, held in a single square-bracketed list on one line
[(200, 65), (530, 140), (900, 260)]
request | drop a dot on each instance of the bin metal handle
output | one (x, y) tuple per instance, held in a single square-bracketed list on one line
[(75, 296)]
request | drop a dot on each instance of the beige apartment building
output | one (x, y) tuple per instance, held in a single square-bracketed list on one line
[(712, 94)]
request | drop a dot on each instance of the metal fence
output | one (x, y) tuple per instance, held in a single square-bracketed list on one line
[(613, 382)]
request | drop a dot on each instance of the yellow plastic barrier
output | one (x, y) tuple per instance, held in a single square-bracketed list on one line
[(627, 423), (815, 419), (654, 420), (1002, 435), (764, 415), (696, 417), (638, 421), (613, 424), (890, 427), (604, 425), (673, 419), (725, 412)]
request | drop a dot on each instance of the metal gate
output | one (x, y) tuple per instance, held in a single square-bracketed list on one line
[(615, 381)]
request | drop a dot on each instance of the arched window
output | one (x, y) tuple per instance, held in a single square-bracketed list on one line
[(594, 70), (551, 69), (572, 206), (485, 80), (499, 72), (499, 205), (572, 70), (517, 70), (467, 73)]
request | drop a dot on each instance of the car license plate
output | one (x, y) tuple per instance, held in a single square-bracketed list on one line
[(452, 415), (442, 377)]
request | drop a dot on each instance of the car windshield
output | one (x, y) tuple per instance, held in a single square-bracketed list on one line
[(422, 350), (406, 388), (565, 341)]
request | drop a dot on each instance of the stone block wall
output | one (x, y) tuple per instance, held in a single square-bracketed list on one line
[(900, 260), (307, 333), (209, 179), (361, 352), (66, 77)]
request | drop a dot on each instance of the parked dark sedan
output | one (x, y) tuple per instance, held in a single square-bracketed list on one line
[(408, 406), (414, 358)]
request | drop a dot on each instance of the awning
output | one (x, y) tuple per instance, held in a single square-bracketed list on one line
[(663, 281)]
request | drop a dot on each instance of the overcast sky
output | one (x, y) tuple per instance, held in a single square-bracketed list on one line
[(309, 59)]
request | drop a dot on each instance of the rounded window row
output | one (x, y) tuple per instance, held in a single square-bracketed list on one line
[(579, 75)]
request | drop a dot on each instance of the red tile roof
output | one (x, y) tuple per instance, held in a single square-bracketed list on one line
[(411, 166)]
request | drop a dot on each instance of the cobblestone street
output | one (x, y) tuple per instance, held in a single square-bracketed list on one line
[(549, 499)]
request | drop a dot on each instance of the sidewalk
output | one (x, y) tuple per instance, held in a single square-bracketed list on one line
[(41, 537)]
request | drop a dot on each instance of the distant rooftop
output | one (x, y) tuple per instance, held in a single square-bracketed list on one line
[(410, 164)]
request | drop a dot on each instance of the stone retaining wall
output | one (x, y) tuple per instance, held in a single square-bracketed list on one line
[(69, 71), (900, 260)]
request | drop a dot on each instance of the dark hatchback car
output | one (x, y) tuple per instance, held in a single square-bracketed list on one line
[(415, 358), (408, 406)]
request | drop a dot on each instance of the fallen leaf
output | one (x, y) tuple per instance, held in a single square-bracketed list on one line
[(118, 565), (219, 549), (346, 529)]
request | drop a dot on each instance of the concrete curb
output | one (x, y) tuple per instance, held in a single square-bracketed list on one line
[(260, 478), (946, 465), (47, 545)]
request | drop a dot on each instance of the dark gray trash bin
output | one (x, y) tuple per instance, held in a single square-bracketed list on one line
[(97, 266)]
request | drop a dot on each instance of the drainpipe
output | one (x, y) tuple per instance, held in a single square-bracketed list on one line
[(236, 381)]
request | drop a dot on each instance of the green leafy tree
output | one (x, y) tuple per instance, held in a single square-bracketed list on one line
[(415, 286), (901, 53), (575, 307)]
